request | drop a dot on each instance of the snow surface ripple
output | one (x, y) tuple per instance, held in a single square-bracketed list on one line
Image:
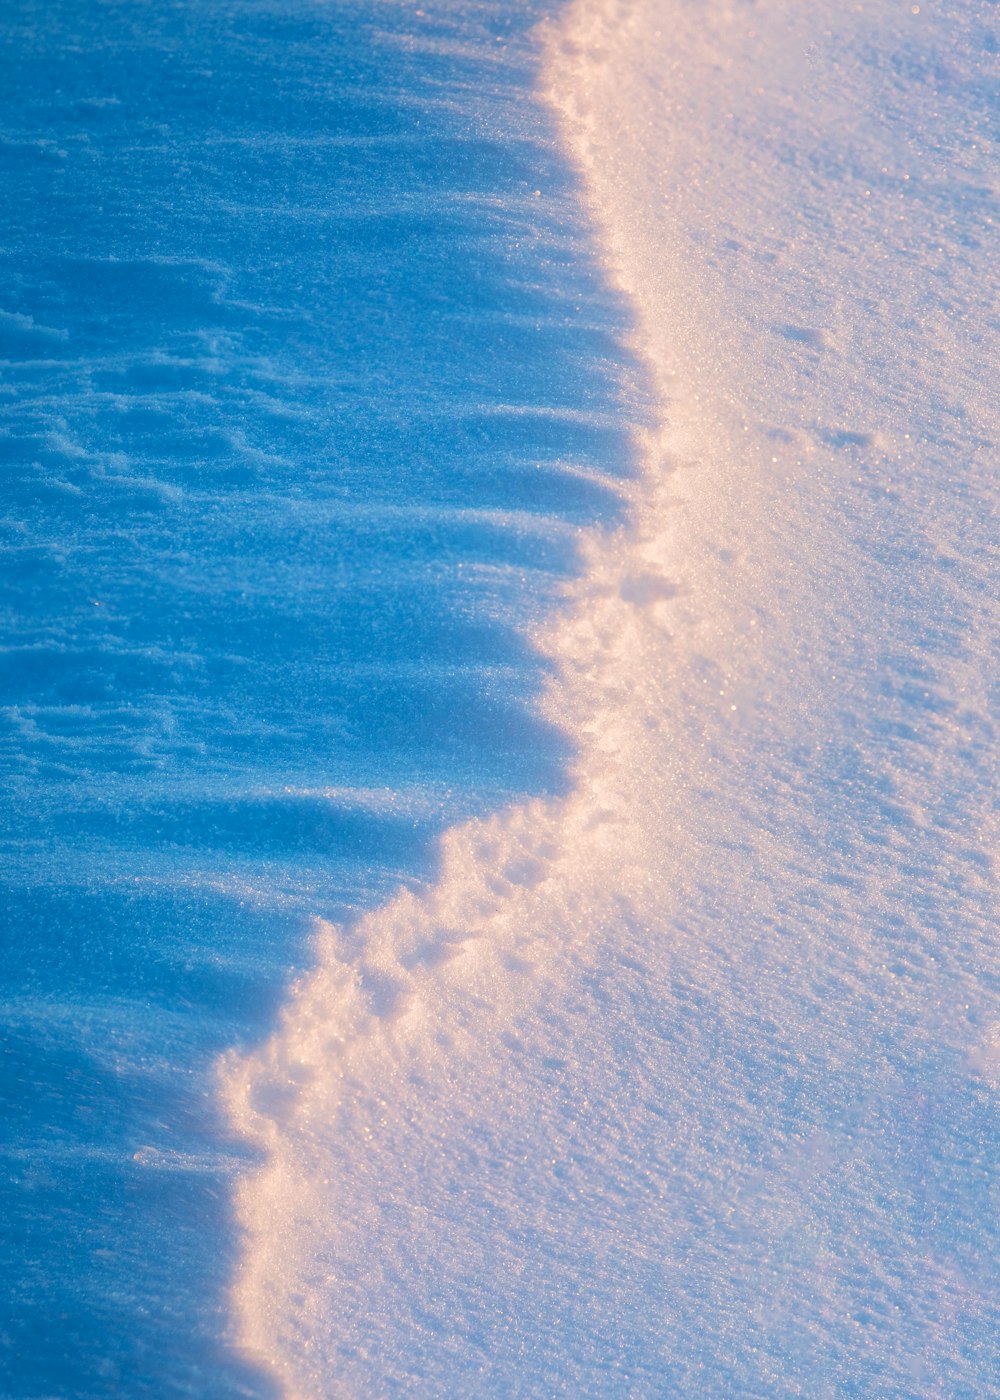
[(305, 398), (686, 1083)]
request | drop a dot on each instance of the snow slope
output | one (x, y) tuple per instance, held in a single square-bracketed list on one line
[(686, 1083), (305, 398)]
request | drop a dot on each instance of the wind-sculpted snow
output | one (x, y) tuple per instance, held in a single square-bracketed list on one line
[(685, 1082), (307, 395)]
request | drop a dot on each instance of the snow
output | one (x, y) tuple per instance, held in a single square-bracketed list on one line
[(501, 713), (685, 1083), (306, 398)]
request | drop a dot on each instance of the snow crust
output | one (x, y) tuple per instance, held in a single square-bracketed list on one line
[(305, 397), (686, 1083)]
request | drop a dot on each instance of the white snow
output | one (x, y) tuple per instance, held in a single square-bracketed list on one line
[(686, 1084)]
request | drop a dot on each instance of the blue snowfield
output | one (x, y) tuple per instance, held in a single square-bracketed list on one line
[(309, 383)]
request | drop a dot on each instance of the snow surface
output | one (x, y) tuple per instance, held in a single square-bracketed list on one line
[(685, 1083), (676, 1075), (306, 397)]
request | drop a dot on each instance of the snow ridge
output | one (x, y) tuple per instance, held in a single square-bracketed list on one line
[(686, 1083)]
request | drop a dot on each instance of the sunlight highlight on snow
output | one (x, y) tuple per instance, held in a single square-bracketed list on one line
[(686, 1083)]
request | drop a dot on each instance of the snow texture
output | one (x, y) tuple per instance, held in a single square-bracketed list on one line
[(306, 398), (500, 714), (685, 1083)]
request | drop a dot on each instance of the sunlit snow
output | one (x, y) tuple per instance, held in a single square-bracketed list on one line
[(502, 716)]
